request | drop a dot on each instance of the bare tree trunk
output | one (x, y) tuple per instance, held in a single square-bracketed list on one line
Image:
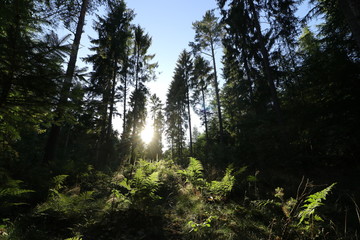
[(134, 131), (205, 115), (124, 111), (52, 141), (216, 83), (189, 119), (172, 147), (112, 101)]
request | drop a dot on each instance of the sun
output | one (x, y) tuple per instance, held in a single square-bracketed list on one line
[(147, 134)]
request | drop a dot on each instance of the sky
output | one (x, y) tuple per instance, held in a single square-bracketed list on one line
[(169, 23)]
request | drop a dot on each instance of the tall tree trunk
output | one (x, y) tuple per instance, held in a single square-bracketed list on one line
[(52, 141), (100, 143), (172, 147), (217, 92), (110, 116), (112, 102), (266, 63), (134, 132), (351, 11), (205, 115), (180, 136), (124, 111), (189, 118)]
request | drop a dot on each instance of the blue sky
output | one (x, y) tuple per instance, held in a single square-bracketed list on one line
[(169, 23)]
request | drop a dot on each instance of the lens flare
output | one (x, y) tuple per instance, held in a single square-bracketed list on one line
[(147, 134)]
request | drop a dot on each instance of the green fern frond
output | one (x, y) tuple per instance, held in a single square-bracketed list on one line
[(58, 181), (85, 196), (12, 192), (74, 238), (196, 167), (220, 189), (194, 172), (240, 170), (146, 166), (154, 179), (312, 202), (264, 203), (144, 183), (124, 183)]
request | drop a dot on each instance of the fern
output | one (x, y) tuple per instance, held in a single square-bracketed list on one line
[(74, 238), (11, 191), (119, 199), (264, 203), (146, 166), (194, 172), (58, 181), (312, 202), (221, 189), (143, 186), (68, 206), (66, 203)]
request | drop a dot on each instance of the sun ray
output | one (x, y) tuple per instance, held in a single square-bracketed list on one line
[(147, 133)]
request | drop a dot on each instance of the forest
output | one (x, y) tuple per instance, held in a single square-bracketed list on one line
[(276, 157)]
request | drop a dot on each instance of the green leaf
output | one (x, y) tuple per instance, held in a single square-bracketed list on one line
[(318, 218), (312, 202), (251, 178)]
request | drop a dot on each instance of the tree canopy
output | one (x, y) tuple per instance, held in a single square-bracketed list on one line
[(275, 154)]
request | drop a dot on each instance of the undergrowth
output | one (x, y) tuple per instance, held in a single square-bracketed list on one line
[(160, 200)]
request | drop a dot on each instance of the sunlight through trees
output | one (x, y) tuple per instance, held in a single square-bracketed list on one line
[(276, 155)]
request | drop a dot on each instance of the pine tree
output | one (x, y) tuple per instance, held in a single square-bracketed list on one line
[(157, 117), (183, 74), (143, 71), (110, 59), (30, 73), (176, 116), (201, 79), (54, 132), (208, 36)]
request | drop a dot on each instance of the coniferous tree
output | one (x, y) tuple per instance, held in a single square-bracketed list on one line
[(208, 36), (183, 74), (109, 61), (142, 72), (52, 142), (339, 13), (176, 116), (259, 62), (272, 46), (30, 73), (201, 79), (157, 117)]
